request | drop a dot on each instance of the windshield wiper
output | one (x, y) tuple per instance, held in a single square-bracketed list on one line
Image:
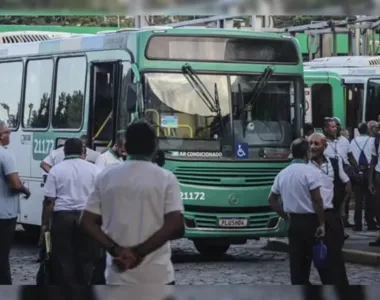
[(241, 108), (245, 111), (199, 88), (213, 104), (219, 111), (259, 86)]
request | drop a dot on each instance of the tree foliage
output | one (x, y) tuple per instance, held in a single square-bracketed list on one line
[(125, 21)]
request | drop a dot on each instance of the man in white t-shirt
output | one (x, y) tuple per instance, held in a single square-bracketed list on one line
[(67, 188), (140, 207), (112, 156), (361, 149)]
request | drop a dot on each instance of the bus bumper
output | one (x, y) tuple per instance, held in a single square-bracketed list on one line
[(276, 227)]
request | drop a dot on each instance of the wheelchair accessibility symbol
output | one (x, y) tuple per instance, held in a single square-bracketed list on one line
[(241, 150)]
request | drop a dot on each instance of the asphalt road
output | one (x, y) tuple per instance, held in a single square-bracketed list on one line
[(243, 265)]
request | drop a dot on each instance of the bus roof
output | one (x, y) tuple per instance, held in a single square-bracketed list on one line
[(344, 62), (15, 37), (117, 40)]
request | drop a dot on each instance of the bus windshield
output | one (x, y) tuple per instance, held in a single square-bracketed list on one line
[(268, 120), (184, 122)]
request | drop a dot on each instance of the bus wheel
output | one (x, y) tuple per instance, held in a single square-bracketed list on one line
[(33, 230), (208, 249)]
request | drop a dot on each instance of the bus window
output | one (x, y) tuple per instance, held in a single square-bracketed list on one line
[(354, 106), (321, 99), (10, 92), (103, 100), (39, 74), (373, 99), (69, 95)]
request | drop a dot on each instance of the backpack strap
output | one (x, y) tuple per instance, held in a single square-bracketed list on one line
[(335, 166), (377, 142), (338, 185), (365, 144)]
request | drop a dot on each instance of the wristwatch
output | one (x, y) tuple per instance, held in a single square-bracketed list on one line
[(112, 250)]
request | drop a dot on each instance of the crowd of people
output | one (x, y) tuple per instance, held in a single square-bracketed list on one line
[(117, 211), (104, 216), (315, 191)]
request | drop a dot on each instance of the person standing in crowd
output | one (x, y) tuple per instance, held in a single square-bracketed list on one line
[(298, 185), (67, 187), (338, 148), (308, 130), (374, 183), (372, 220), (373, 128), (361, 149), (137, 252), (334, 185), (345, 133), (58, 155), (10, 189), (114, 155)]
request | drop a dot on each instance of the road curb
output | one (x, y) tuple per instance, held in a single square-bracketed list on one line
[(361, 257), (349, 255)]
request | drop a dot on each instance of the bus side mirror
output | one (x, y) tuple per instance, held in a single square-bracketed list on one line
[(131, 97)]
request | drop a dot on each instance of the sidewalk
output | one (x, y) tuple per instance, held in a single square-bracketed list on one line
[(356, 249)]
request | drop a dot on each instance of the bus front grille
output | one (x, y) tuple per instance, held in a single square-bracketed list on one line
[(226, 177)]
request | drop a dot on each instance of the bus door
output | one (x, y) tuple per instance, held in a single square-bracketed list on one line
[(104, 89), (354, 101), (372, 103)]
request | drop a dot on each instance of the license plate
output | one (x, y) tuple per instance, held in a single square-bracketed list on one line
[(233, 222)]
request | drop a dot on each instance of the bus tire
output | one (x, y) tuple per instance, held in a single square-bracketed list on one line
[(208, 249), (33, 230)]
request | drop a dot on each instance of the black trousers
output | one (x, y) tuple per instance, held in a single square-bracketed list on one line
[(362, 200), (301, 235), (7, 230), (73, 250), (375, 202), (335, 271)]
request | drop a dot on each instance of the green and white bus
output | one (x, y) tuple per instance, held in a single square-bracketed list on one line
[(346, 86), (226, 105)]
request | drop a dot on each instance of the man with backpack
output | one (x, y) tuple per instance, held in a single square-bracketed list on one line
[(361, 149)]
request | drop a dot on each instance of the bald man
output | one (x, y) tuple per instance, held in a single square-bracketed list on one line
[(334, 184)]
